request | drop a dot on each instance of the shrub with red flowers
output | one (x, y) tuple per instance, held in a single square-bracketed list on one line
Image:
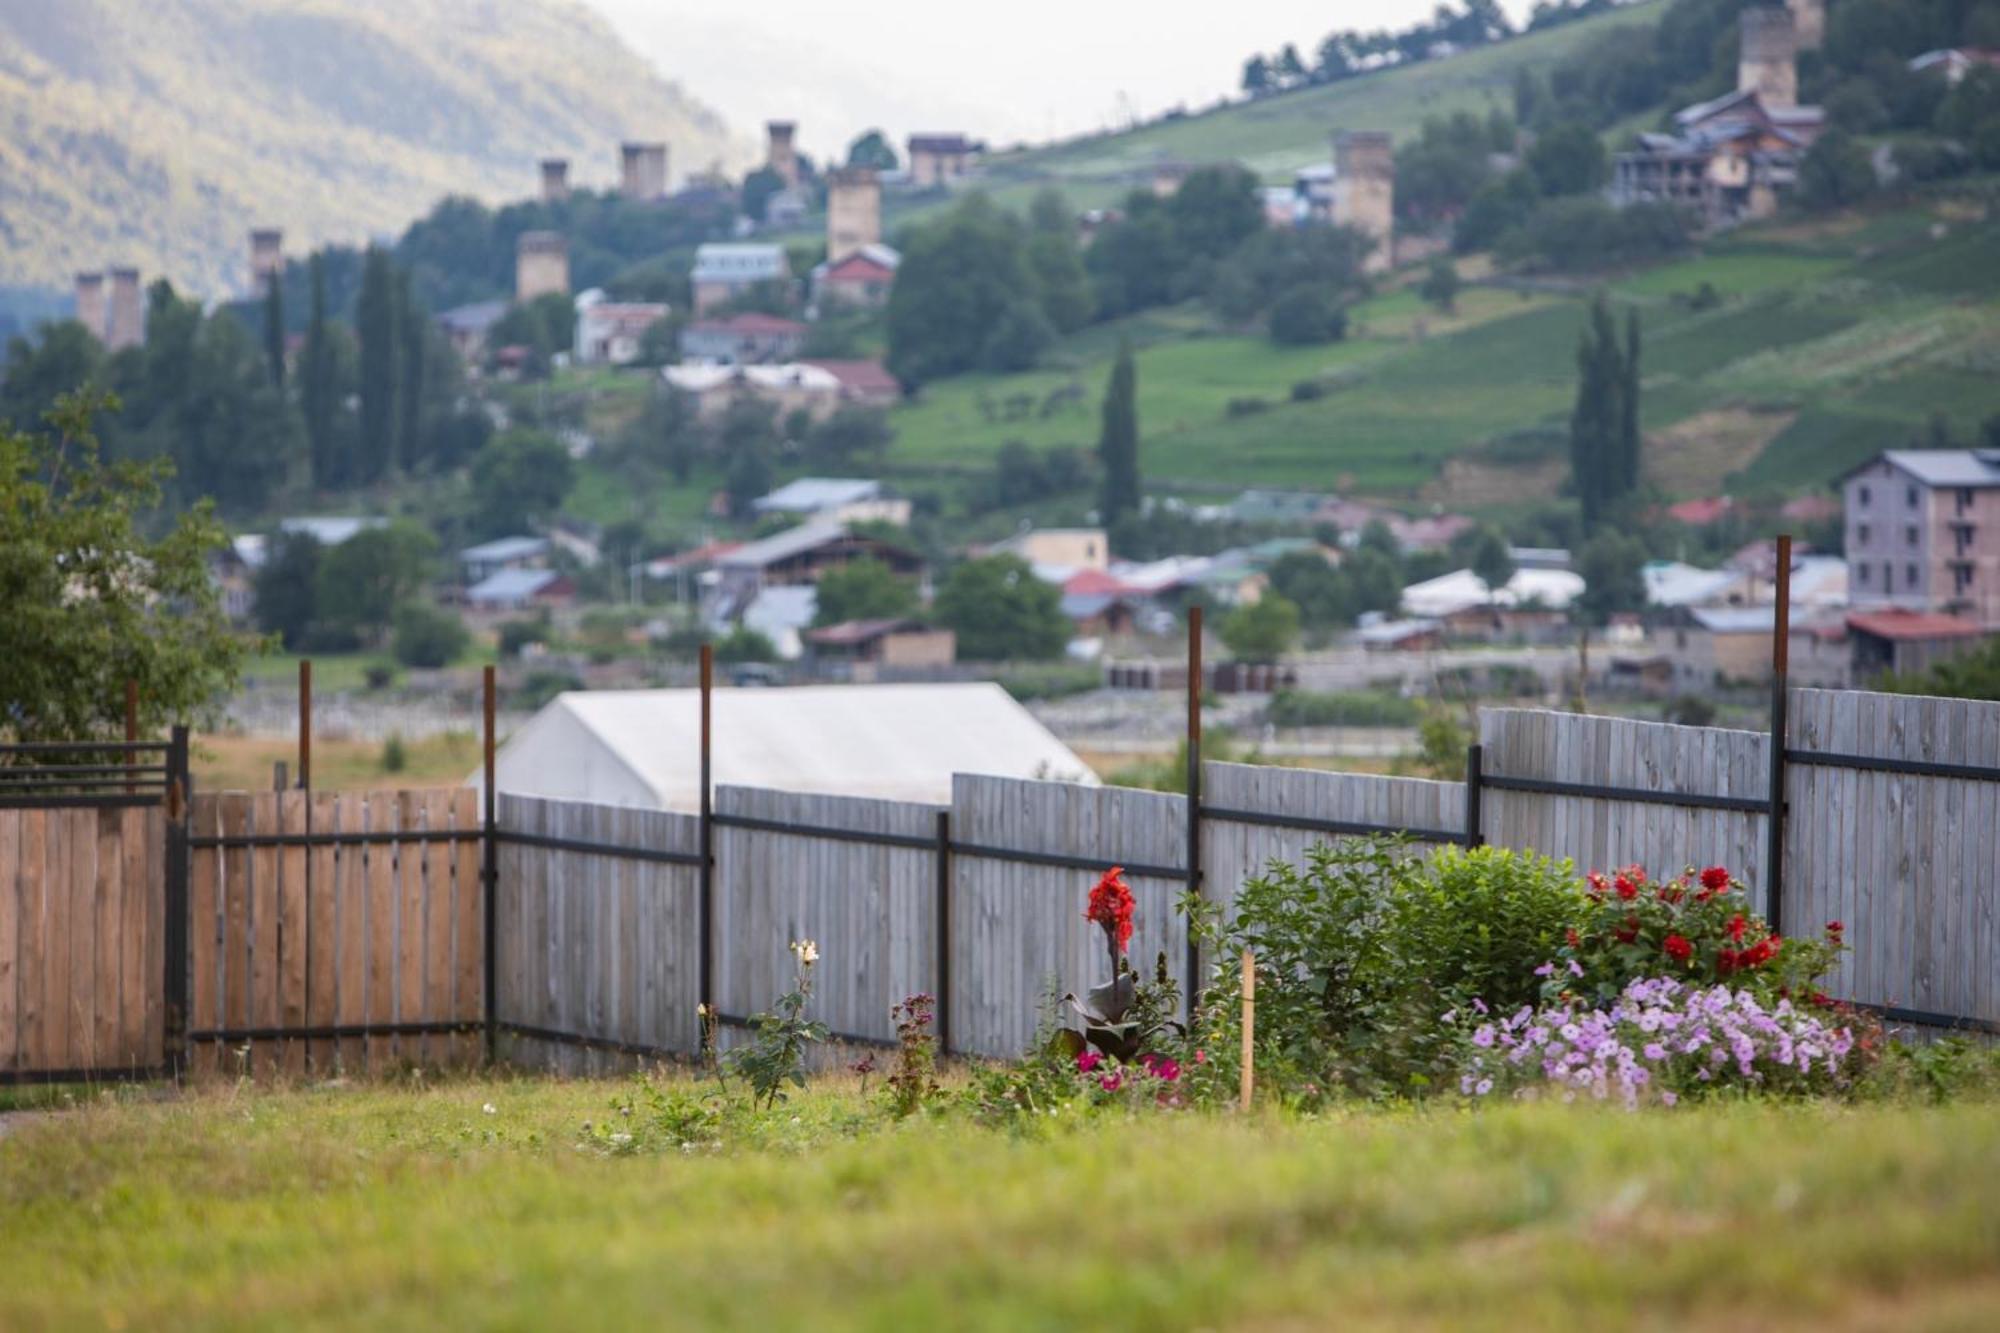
[(1696, 928)]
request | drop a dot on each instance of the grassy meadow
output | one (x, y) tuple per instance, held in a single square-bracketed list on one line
[(488, 1203)]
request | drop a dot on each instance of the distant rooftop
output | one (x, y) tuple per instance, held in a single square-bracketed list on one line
[(809, 495), (1948, 467)]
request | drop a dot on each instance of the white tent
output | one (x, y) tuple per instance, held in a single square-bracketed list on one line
[(899, 742)]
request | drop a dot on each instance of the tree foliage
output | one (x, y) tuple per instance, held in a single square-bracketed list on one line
[(518, 481), (1604, 437), (1118, 441), (865, 589), (1263, 630), (1001, 612), (94, 599)]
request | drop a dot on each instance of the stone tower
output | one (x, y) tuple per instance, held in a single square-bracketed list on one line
[(267, 258), (1766, 60), (125, 319), (90, 303), (555, 179), (642, 170), (853, 211), (781, 155), (541, 265), (1364, 191), (1809, 22)]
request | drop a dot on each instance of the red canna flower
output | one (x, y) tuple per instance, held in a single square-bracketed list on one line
[(1715, 879), (1677, 948), (1111, 906)]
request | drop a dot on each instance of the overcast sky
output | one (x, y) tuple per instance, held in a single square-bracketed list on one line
[(1002, 70)]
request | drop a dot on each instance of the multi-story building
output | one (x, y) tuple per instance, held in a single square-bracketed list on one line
[(1923, 532), (724, 271)]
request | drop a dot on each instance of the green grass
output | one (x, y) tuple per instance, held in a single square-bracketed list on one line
[(386, 1208)]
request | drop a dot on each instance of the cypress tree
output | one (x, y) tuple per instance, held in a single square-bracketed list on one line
[(1629, 439), (274, 328), (410, 383), (316, 388), (1118, 443), (376, 316), (1598, 424)]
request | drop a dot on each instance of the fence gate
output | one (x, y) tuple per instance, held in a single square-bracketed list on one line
[(92, 908)]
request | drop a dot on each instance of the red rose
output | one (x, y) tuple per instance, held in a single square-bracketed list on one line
[(1677, 948), (1596, 882), (1715, 879)]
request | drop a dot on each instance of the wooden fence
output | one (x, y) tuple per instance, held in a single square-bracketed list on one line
[(353, 930), (334, 929)]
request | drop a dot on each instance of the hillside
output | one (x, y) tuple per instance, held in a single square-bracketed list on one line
[(156, 132)]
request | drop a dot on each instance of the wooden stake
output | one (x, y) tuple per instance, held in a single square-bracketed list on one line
[(1249, 1076)]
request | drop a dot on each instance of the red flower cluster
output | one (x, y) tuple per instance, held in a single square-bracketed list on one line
[(1677, 948), (1111, 906), (1715, 879)]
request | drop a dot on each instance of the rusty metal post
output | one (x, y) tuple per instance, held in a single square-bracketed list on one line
[(1781, 656), (305, 723), (489, 869), (707, 831), (943, 888), (1193, 800)]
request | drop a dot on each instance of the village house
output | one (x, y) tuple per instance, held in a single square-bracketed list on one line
[(800, 556), (513, 590), (861, 383), (1905, 642), (748, 338), (1923, 533), (861, 279), (791, 387), (1711, 646), (724, 271), (610, 332), (1534, 603), (1734, 157), (862, 650), (465, 327), (477, 563), (1067, 549), (834, 500), (936, 160)]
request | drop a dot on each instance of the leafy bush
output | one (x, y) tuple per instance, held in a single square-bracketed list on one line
[(1663, 1039), (1363, 949), (1344, 708), (1245, 407), (1305, 391), (1307, 315), (1696, 928), (395, 756), (1056, 680), (427, 637)]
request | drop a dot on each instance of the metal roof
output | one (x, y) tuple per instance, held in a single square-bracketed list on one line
[(783, 545), (506, 548), (809, 495), (510, 585), (1948, 467)]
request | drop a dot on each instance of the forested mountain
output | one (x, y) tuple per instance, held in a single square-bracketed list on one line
[(156, 132)]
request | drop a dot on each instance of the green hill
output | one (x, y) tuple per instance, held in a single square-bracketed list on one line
[(156, 132)]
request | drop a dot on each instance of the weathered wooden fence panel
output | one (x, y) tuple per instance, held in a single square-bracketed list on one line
[(1602, 832), (311, 913), (1018, 928), (82, 911), (870, 907), (1235, 850), (596, 945), (1909, 863)]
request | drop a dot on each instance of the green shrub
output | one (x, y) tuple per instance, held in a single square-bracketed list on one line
[(1305, 391), (395, 758), (427, 637), (1245, 407), (1363, 949), (1342, 708)]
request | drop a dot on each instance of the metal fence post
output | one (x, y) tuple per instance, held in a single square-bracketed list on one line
[(944, 931), (305, 723), (489, 869), (707, 832), (1475, 767), (177, 807), (1193, 801), (1781, 642), (131, 729)]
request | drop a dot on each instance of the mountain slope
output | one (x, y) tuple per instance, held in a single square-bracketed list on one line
[(156, 132)]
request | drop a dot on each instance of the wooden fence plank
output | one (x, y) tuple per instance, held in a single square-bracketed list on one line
[(383, 919), (289, 995), (204, 938), (10, 939), (322, 939), (33, 987), (467, 918), (107, 924), (75, 855)]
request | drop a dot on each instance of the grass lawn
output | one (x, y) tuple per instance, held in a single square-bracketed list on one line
[(243, 763), (479, 1204)]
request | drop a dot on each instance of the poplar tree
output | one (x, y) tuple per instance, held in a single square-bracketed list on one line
[(1604, 425), (376, 317), (317, 390), (1118, 443), (410, 381)]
